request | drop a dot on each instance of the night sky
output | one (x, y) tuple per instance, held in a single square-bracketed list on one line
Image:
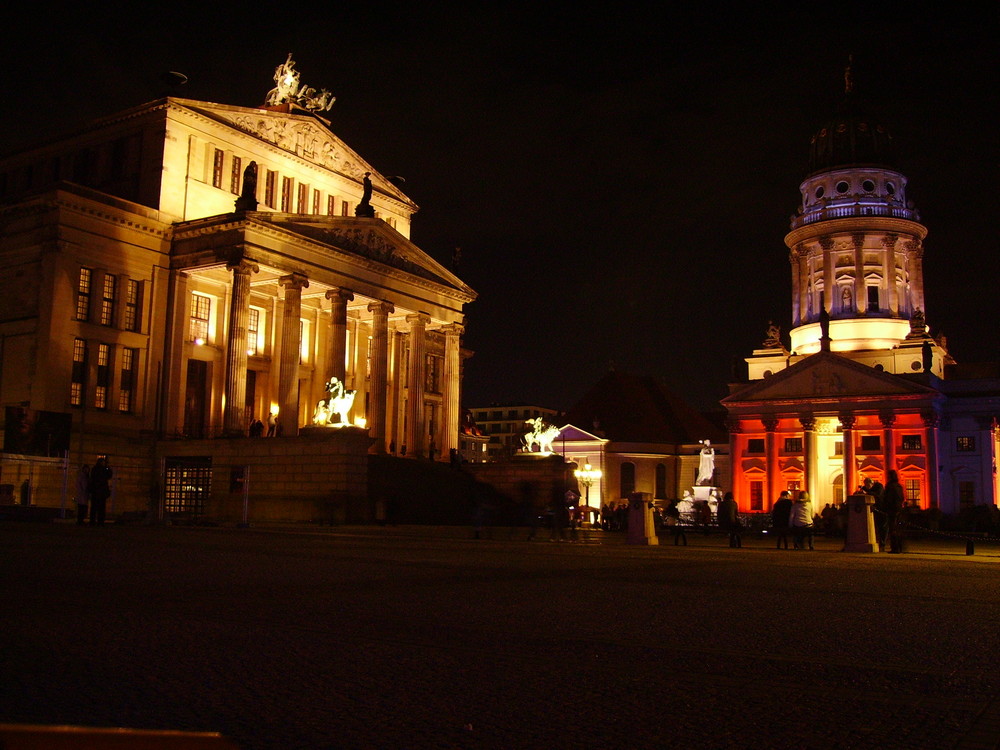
[(620, 186)]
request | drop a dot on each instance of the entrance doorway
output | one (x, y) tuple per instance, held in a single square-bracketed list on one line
[(195, 398)]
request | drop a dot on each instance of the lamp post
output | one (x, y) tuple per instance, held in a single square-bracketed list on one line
[(587, 476)]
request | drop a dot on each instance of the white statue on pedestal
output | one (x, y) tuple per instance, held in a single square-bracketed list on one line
[(706, 465), (332, 412), (541, 435)]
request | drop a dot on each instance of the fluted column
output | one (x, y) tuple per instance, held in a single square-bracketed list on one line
[(379, 372), (234, 415), (808, 422), (735, 427), (916, 274), (793, 260), (860, 293), (288, 375), (415, 385), (771, 457), (888, 419), (336, 366), (828, 282), (931, 422), (850, 464), (889, 272), (452, 387)]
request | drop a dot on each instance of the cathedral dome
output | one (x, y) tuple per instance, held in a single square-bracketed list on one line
[(854, 136)]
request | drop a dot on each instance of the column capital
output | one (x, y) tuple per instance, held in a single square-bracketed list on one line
[(889, 240), (344, 295), (452, 329), (294, 281), (847, 420), (887, 418), (826, 242), (930, 418), (243, 267), (915, 248), (418, 319), (808, 422), (381, 306), (770, 423), (734, 425), (858, 240)]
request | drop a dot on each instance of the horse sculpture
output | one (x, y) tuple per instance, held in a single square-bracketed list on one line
[(332, 412), (541, 435)]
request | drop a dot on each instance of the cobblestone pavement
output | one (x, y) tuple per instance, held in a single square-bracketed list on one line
[(304, 637)]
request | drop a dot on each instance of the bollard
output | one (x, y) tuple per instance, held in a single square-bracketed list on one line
[(970, 547)]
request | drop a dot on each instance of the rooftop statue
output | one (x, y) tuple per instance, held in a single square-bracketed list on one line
[(773, 340), (288, 90)]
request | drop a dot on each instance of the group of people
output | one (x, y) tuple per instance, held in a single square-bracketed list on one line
[(796, 518), (890, 501), (93, 488)]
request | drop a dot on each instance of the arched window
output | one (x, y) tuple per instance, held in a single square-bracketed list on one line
[(661, 482), (627, 479)]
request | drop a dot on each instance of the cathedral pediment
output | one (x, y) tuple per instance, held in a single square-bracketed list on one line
[(573, 433), (303, 135), (827, 376)]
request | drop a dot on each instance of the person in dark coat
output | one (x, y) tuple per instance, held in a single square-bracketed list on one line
[(729, 519), (893, 501), (100, 491), (672, 516), (780, 512)]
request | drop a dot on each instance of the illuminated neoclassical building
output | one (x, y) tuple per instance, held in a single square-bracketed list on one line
[(184, 268), (863, 388)]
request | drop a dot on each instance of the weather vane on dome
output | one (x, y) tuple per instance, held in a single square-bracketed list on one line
[(287, 90)]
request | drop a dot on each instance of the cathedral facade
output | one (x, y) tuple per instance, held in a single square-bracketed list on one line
[(862, 388), (185, 273)]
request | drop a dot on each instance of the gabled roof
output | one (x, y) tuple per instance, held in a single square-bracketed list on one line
[(639, 409), (826, 377), (573, 433)]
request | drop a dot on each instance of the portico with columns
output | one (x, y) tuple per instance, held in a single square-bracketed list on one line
[(286, 303)]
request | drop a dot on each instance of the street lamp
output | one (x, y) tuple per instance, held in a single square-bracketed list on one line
[(587, 476)]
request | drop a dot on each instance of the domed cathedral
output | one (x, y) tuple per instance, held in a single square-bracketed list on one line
[(184, 276), (862, 387)]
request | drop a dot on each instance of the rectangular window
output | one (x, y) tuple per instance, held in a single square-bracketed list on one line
[(108, 300), (103, 376), (303, 199), (79, 377), (344, 208), (966, 494), (236, 176), (128, 381), (965, 443), (838, 448), (303, 341), (218, 160), (286, 195), (755, 445), (431, 375), (912, 443), (331, 205), (133, 304), (872, 298), (316, 202), (270, 188), (911, 490), (871, 443), (756, 495), (793, 445), (253, 331), (201, 310), (512, 414), (83, 294)]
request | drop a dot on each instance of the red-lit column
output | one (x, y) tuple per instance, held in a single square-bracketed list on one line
[(734, 426), (931, 422), (888, 442), (850, 463), (771, 457), (808, 422)]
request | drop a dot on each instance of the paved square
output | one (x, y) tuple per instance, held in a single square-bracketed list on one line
[(426, 638)]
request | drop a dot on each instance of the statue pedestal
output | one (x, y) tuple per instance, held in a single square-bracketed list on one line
[(641, 529), (704, 492), (860, 524)]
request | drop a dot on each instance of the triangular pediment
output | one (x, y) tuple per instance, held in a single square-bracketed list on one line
[(572, 433), (304, 135), (371, 239), (825, 376)]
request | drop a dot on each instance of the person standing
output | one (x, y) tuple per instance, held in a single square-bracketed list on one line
[(801, 521), (100, 491), (894, 499), (673, 520), (780, 514), (729, 519), (82, 497)]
